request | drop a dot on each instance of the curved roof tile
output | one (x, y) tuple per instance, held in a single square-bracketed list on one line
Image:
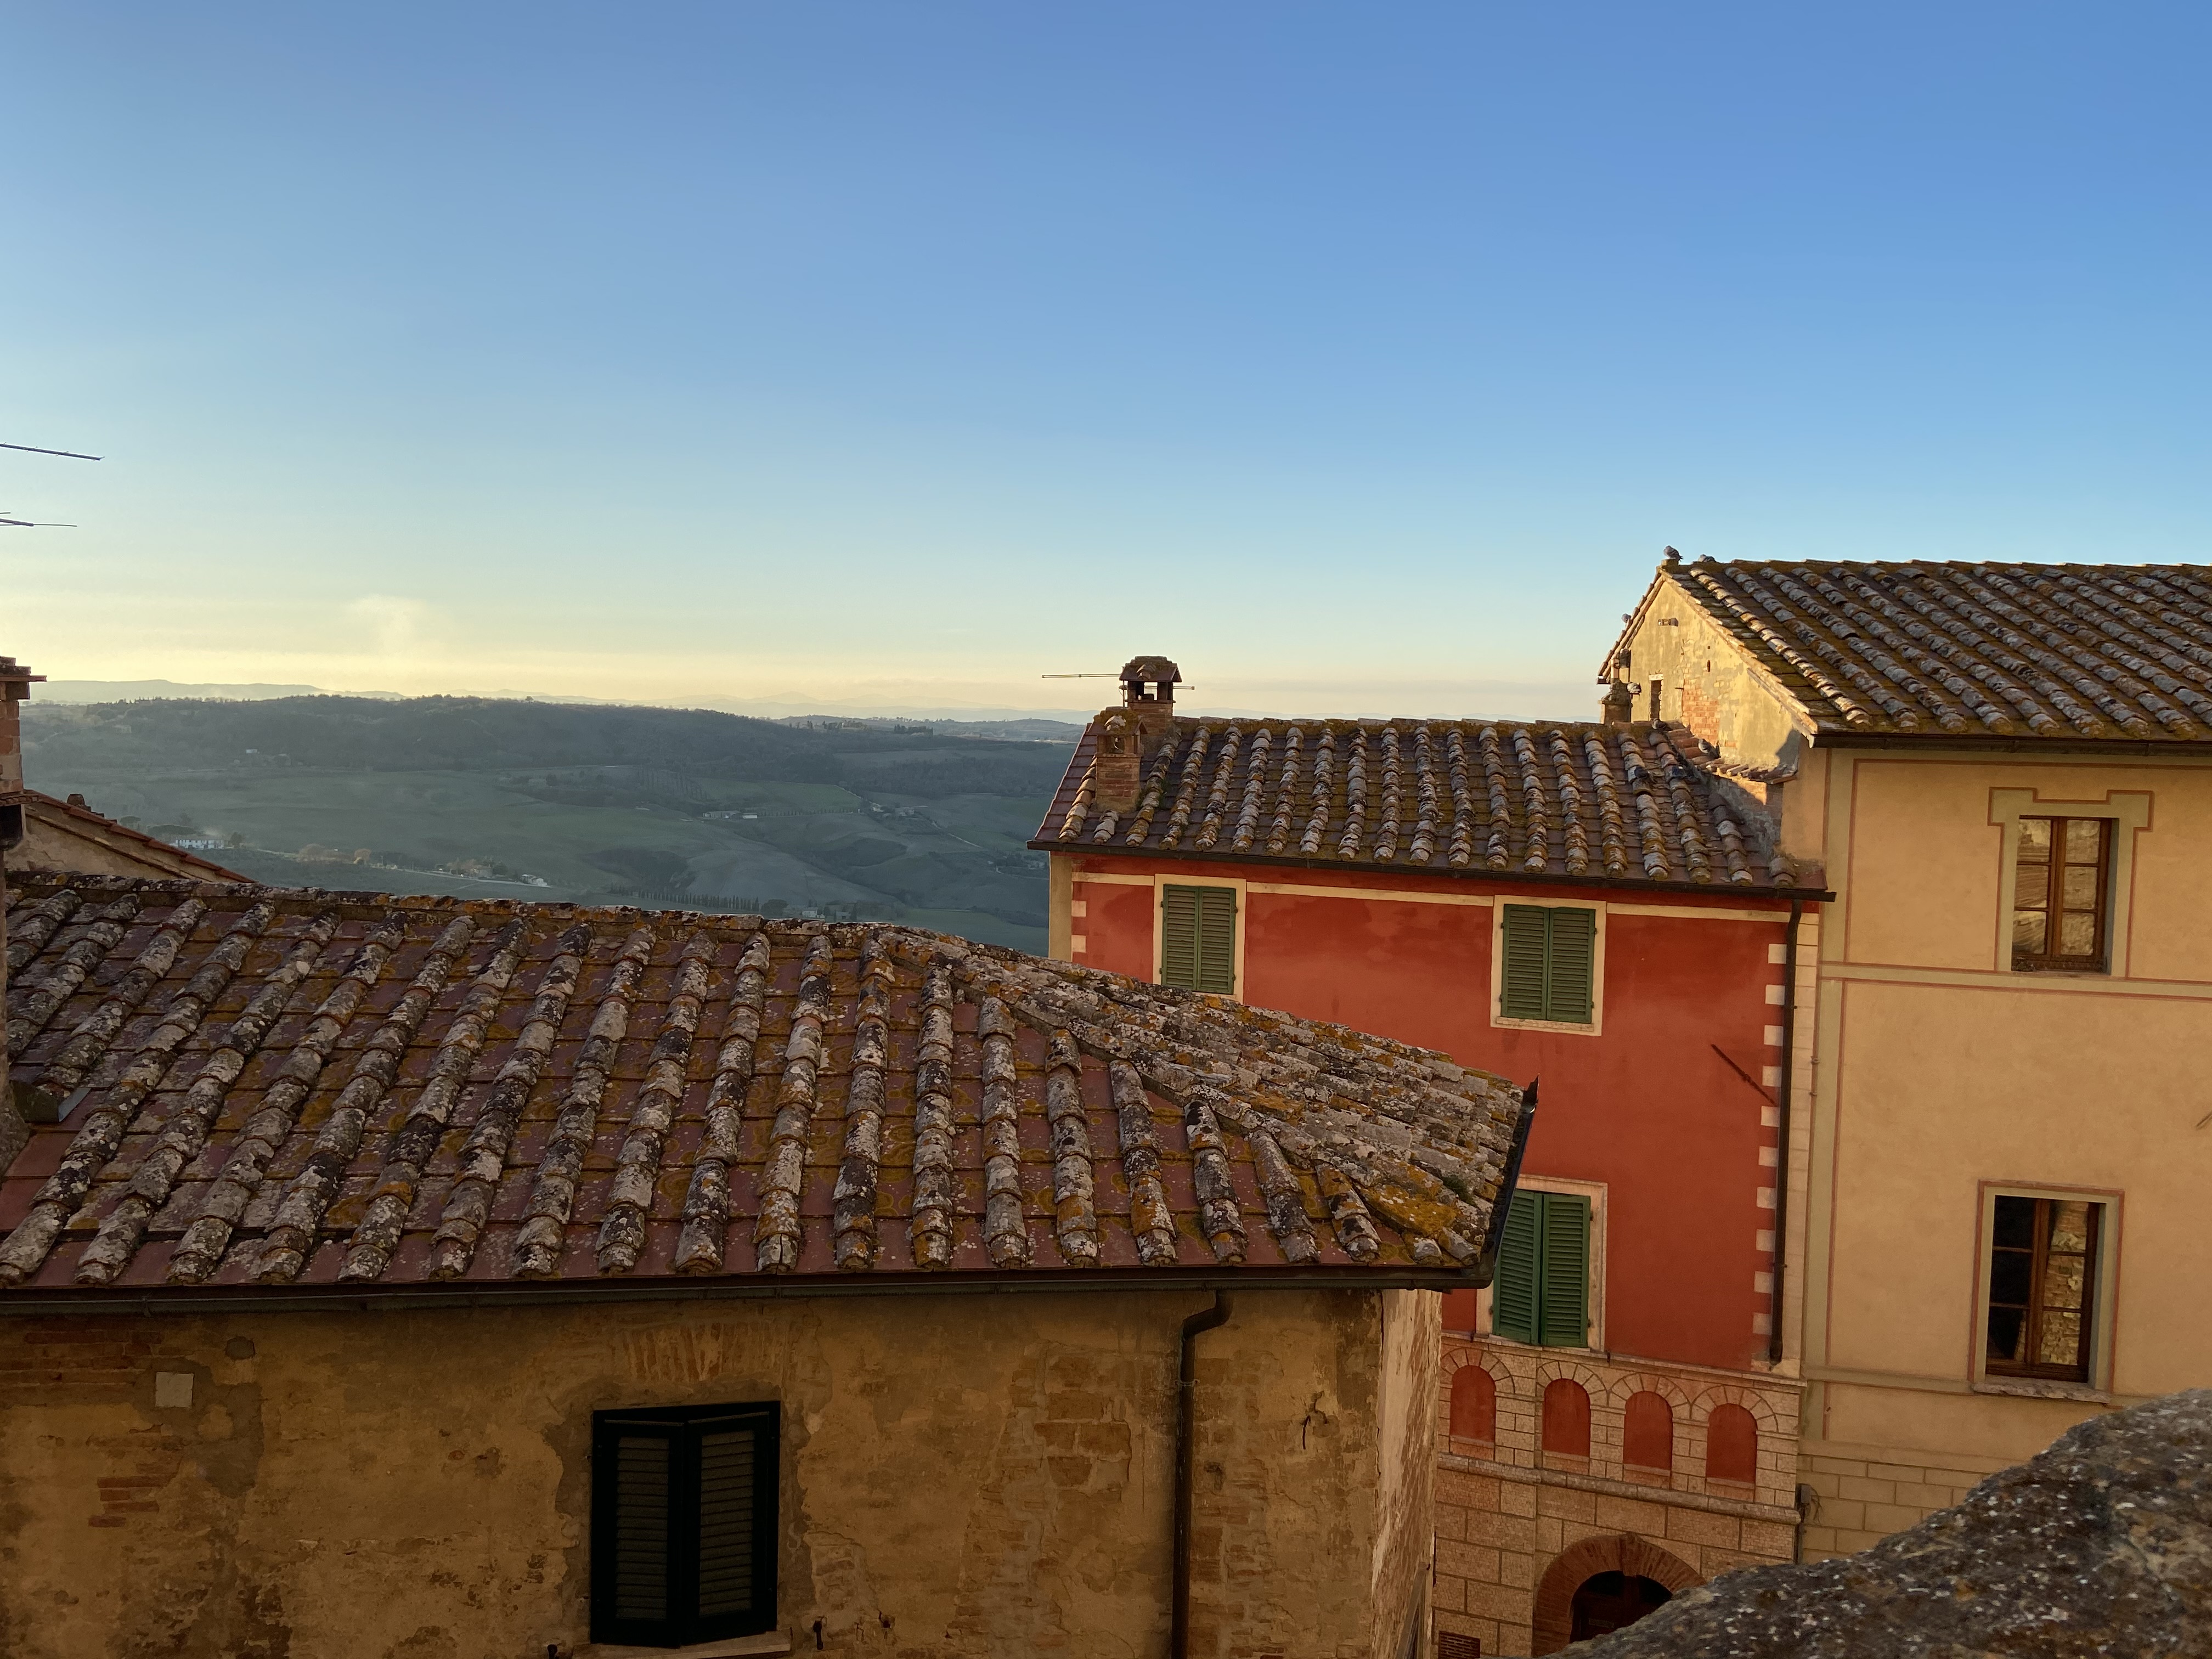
[(288, 1086)]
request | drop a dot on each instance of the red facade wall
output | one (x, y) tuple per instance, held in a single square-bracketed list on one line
[(1646, 1106)]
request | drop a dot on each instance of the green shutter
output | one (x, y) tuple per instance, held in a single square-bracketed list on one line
[(1179, 937), (1198, 939), (1521, 990), (1217, 940), (1567, 975), (1563, 1296), (1513, 1291), (1547, 964)]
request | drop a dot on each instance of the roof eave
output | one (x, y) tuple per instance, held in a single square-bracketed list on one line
[(1284, 861), (1832, 737), (181, 1300)]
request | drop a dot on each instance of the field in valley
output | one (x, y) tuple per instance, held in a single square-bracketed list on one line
[(615, 804)]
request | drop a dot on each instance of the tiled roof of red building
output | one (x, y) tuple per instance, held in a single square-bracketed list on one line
[(1635, 803), (2049, 651), (268, 1087)]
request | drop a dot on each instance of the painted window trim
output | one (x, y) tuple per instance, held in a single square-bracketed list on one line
[(2101, 1323), (2129, 813), (1498, 1018), (1594, 1293), (1237, 885)]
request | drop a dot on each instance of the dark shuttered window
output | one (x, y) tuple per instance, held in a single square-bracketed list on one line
[(1549, 960), (2043, 1284), (1541, 1290), (682, 1524), (1198, 939)]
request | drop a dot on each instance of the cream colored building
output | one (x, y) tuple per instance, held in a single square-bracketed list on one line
[(2000, 1148)]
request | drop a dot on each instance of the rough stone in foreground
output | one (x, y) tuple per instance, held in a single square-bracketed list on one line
[(2101, 1545)]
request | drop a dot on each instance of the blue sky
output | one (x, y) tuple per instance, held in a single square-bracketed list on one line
[(1360, 358)]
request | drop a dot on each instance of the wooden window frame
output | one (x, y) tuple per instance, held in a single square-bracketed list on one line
[(683, 1427), (2129, 811), (1595, 1025), (2048, 961), (1240, 897), (2102, 1290)]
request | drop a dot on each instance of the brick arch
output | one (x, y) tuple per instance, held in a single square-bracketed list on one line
[(1549, 1371), (1762, 1410), (1633, 1382), (1623, 1552)]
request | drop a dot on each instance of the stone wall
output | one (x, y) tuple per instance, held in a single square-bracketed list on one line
[(1518, 1530), (962, 1474)]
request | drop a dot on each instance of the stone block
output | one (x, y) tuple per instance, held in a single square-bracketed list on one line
[(1925, 1499), (1499, 1602), (1451, 1521), (1567, 1503), (1514, 1498), (1887, 1518), (1836, 1465), (1894, 1471), (1467, 1561), (1629, 1515), (1512, 1532), (1516, 1569), (1702, 1527), (1771, 1540), (1470, 1492), (1869, 1491), (1842, 1513)]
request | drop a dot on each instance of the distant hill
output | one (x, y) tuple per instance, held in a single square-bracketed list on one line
[(553, 799)]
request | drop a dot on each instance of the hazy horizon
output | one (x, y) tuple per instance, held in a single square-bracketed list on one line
[(865, 355)]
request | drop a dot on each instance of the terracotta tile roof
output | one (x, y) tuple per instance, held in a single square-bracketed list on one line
[(1634, 803), (2052, 651), (284, 1085)]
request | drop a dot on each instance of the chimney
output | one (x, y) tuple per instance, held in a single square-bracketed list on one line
[(1130, 735), (14, 686), (1619, 703)]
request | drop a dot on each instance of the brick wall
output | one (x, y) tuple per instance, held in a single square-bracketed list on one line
[(1867, 1492), (1519, 1530)]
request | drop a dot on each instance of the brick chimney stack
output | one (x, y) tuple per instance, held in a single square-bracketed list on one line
[(14, 686), (1129, 735)]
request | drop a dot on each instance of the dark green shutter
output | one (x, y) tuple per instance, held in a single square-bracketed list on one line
[(727, 1501), (1521, 992), (683, 1524), (1563, 1301), (1547, 964), (1567, 975), (1513, 1291), (641, 1487), (1198, 939)]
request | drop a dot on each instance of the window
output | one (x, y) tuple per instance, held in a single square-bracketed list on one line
[(1545, 961), (1541, 1290), (1474, 1405), (1732, 1445), (1198, 939), (2043, 1284), (2060, 911), (1566, 1418), (683, 1524), (1647, 1434)]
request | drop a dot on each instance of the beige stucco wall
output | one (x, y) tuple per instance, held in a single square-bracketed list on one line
[(53, 840), (1938, 1070), (960, 1473), (1707, 682)]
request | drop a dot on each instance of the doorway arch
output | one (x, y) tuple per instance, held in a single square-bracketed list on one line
[(1624, 1553)]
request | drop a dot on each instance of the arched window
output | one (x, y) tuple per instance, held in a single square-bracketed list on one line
[(1732, 1445), (1647, 1437), (1566, 1418), (1474, 1405), (1459, 1312)]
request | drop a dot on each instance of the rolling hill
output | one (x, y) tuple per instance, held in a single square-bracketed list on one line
[(607, 802)]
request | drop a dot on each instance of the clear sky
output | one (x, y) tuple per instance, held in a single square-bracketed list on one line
[(1362, 357)]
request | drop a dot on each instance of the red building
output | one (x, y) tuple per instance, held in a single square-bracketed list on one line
[(1597, 906)]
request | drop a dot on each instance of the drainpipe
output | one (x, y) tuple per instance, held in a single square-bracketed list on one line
[(1486, 1264), (1782, 1125), (1186, 1437)]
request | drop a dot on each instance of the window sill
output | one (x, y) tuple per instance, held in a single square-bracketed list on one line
[(1570, 1028), (2041, 1388), (733, 1647)]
